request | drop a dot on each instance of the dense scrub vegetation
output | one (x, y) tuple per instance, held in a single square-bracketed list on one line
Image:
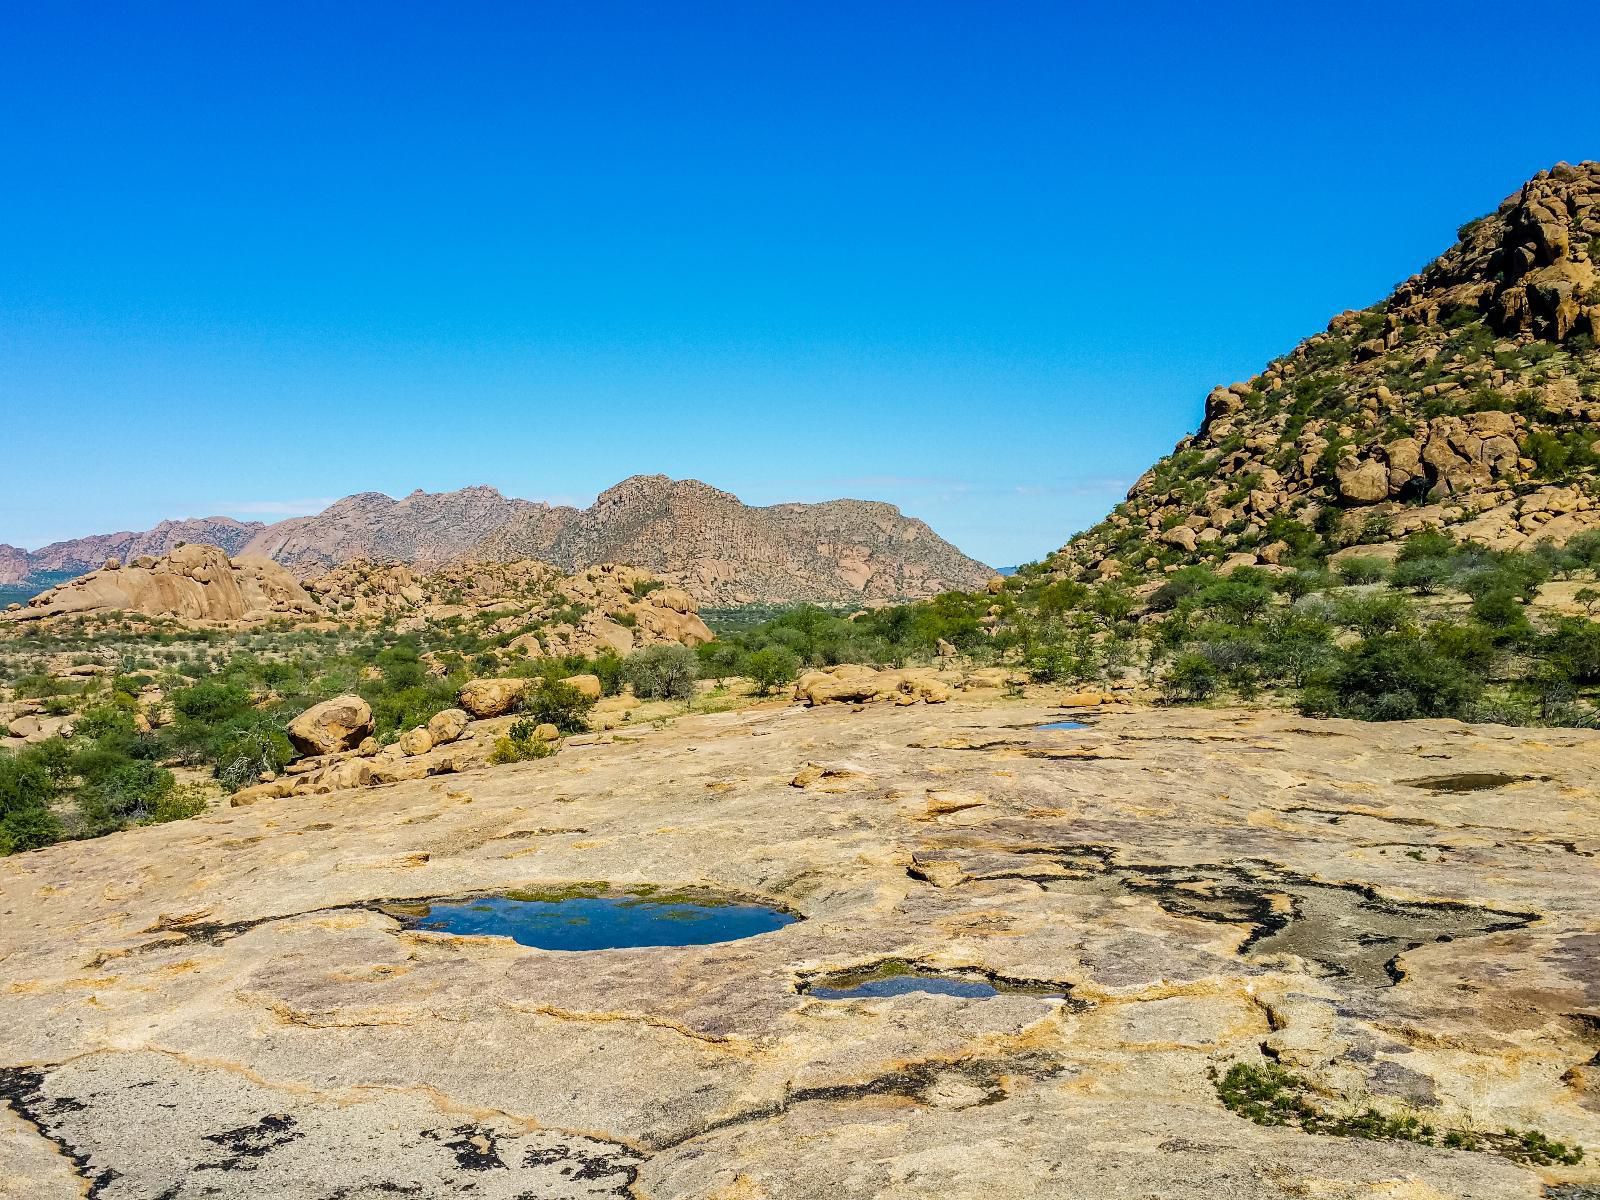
[(1445, 630), (1442, 629), (228, 699)]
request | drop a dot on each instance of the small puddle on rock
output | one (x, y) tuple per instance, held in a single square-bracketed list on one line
[(1064, 725), (1468, 781), (596, 920), (896, 977)]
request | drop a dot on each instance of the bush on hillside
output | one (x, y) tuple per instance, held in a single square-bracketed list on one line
[(662, 672), (770, 668), (1392, 677), (559, 704)]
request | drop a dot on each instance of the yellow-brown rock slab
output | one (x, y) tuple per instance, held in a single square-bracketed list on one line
[(220, 1007)]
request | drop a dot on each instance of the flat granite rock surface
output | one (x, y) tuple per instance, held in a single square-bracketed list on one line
[(1406, 916)]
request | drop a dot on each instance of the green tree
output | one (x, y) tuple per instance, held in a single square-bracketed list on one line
[(771, 667), (28, 788), (559, 704), (1392, 677), (662, 673)]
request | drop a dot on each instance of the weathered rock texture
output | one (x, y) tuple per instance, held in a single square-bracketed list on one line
[(85, 554), (600, 608), (726, 552), (193, 583), (1469, 399), (221, 1007), (337, 724), (604, 608), (424, 528)]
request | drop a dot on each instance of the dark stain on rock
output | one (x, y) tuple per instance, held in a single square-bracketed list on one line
[(1469, 781), (22, 1088), (1349, 929), (574, 1164), (250, 1142), (476, 1147)]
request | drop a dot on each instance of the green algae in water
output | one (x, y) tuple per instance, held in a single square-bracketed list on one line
[(575, 918)]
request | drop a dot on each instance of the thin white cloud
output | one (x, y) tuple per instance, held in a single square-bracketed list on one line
[(276, 508), (1075, 487)]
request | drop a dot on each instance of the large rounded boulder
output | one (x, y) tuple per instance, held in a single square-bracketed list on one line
[(333, 725), (494, 697)]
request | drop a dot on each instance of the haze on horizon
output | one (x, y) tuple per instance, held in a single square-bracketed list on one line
[(983, 265)]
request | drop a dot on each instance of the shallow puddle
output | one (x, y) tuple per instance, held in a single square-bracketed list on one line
[(896, 977), (596, 922), (1064, 725), (1467, 781)]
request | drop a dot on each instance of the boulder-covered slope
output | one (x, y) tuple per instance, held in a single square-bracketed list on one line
[(195, 583), (424, 528), (1468, 399), (726, 552), (531, 608), (78, 555)]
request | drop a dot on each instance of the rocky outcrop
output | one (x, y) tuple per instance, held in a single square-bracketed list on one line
[(194, 583), (1530, 265), (424, 528), (538, 611), (493, 697), (852, 684), (1466, 399), (609, 607), (333, 725), (1153, 899), (78, 555), (722, 551)]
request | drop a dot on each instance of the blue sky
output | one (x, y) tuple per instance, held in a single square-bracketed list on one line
[(981, 261)]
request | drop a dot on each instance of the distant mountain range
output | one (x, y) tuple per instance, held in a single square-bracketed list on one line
[(721, 550)]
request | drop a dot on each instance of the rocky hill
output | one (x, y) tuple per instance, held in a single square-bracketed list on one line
[(424, 528), (195, 583), (726, 552), (78, 555), (696, 537), (1468, 399), (529, 608)]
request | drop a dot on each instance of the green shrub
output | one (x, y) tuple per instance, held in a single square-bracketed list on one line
[(211, 702), (1356, 571), (520, 743), (395, 711), (29, 785), (771, 667), (1501, 611), (246, 747), (1393, 677), (1370, 615), (1192, 677), (115, 795), (559, 704), (662, 672), (720, 659)]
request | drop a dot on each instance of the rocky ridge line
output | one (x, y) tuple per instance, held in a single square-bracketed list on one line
[(1469, 399)]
